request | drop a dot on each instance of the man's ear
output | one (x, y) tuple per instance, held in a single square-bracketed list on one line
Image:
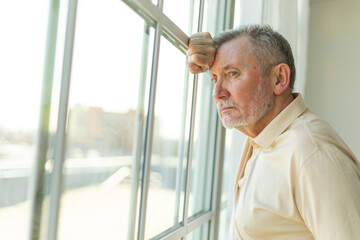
[(282, 78)]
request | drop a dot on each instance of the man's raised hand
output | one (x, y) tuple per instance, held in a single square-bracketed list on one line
[(201, 52)]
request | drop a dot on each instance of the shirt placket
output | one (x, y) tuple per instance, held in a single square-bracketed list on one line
[(250, 164), (241, 182)]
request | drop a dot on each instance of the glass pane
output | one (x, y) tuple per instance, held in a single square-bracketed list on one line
[(179, 13), (214, 17), (106, 118), (237, 13), (203, 149), (22, 48), (165, 197), (200, 233)]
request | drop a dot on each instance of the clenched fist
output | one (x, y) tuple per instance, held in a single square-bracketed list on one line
[(201, 52)]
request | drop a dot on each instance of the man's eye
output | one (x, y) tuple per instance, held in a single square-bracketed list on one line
[(214, 80), (232, 74)]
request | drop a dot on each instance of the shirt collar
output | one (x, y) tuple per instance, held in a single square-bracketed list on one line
[(280, 123)]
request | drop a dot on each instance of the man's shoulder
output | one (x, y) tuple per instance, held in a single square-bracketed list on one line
[(310, 133), (315, 129)]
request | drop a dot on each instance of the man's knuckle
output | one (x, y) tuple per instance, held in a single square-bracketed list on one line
[(196, 58), (211, 49), (207, 34)]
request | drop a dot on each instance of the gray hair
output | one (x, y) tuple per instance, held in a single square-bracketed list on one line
[(268, 46)]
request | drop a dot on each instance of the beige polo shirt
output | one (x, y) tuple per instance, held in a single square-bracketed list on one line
[(297, 180)]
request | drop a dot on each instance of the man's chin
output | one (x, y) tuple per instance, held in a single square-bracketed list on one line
[(230, 124)]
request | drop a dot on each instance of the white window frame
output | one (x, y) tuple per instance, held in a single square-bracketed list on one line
[(162, 24)]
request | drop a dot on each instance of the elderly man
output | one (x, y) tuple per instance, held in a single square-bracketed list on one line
[(296, 178)]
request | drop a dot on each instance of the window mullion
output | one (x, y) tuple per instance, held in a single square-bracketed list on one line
[(192, 128), (217, 182), (190, 152), (139, 135), (60, 147), (181, 147), (220, 144), (193, 224), (36, 184), (149, 134), (201, 15), (230, 12), (157, 15)]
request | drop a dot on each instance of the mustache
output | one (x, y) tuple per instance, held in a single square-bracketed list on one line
[(226, 103)]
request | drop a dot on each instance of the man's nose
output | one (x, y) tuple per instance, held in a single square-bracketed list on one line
[(220, 91)]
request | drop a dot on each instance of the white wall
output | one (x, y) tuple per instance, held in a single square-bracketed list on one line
[(333, 79)]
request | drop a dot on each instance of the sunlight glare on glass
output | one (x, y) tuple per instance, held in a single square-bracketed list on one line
[(22, 46)]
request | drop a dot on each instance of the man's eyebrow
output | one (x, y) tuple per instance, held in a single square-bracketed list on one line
[(229, 66)]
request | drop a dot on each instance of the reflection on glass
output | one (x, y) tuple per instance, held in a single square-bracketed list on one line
[(102, 123), (165, 197), (203, 151), (22, 48)]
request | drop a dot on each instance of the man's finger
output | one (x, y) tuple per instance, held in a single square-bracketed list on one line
[(201, 41), (200, 60), (201, 49), (195, 69)]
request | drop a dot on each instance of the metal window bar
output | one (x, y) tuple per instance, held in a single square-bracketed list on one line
[(139, 135), (230, 12), (182, 231), (60, 145), (179, 171), (181, 149), (191, 137), (148, 10), (36, 187), (148, 143), (220, 145), (217, 185), (190, 157), (149, 131)]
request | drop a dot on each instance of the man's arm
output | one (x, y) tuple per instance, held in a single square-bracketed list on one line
[(328, 195), (201, 52)]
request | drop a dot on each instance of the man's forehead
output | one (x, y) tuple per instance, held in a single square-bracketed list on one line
[(230, 55), (236, 41)]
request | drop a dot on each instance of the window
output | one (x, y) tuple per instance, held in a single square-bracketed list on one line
[(128, 145), (22, 61), (103, 133)]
